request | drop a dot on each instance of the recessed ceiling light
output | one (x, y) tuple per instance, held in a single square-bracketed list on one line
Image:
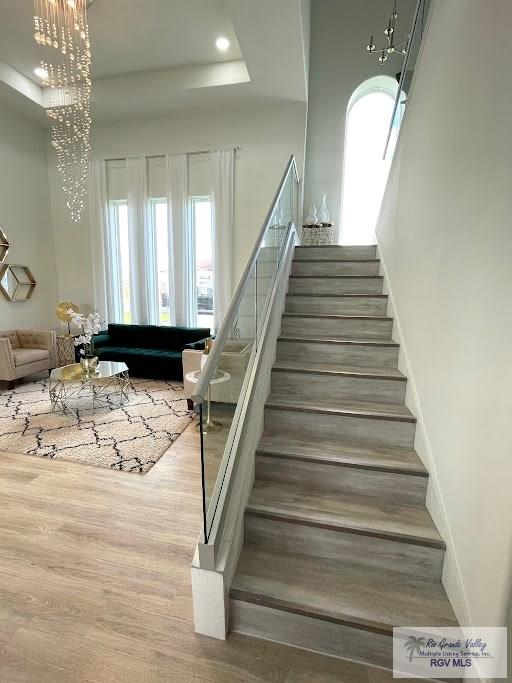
[(222, 44), (41, 73)]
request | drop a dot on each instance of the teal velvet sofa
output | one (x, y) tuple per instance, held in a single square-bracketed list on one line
[(148, 350)]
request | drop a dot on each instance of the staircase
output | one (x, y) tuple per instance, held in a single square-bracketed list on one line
[(339, 546)]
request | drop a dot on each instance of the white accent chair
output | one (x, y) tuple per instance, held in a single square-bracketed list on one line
[(26, 352)]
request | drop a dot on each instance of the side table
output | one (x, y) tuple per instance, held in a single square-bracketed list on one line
[(219, 376)]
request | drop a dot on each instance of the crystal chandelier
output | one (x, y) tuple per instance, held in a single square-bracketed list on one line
[(61, 27), (392, 46)]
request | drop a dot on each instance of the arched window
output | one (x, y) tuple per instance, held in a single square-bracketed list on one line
[(365, 172)]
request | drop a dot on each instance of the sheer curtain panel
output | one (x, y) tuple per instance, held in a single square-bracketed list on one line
[(222, 167), (143, 270), (181, 270), (105, 249)]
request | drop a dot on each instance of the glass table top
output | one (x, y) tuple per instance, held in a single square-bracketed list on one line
[(75, 372)]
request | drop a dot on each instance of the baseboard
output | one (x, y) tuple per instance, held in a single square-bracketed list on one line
[(452, 576)]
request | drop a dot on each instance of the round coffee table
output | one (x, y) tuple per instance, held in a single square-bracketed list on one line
[(219, 376), (71, 383)]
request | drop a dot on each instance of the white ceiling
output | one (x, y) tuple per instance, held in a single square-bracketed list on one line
[(150, 56), (128, 35)]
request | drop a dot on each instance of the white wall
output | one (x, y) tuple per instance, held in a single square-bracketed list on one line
[(338, 64), (306, 34), (446, 239), (268, 135), (508, 624), (25, 217)]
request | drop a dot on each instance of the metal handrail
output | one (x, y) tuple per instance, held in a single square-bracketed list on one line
[(415, 23), (201, 388)]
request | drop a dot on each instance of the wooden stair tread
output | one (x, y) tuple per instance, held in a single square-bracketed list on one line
[(367, 515), (336, 316), (340, 340), (382, 411), (337, 260), (333, 368), (335, 337), (336, 277), (351, 295), (380, 458), (336, 251), (339, 592)]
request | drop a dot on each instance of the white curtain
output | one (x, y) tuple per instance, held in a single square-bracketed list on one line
[(144, 287), (181, 255), (143, 269), (105, 250), (222, 164)]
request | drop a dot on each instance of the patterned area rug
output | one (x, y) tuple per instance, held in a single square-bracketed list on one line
[(129, 438)]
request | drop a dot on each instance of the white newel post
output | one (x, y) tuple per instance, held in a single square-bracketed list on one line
[(209, 603)]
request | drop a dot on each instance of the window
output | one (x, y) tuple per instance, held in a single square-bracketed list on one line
[(365, 171), (121, 259), (201, 225), (159, 265), (159, 213)]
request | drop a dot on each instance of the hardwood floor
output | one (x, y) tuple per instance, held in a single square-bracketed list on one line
[(95, 581)]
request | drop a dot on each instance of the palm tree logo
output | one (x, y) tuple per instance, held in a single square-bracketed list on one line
[(413, 645)]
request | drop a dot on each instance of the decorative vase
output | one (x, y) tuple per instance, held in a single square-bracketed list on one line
[(312, 218), (318, 229), (324, 215), (89, 365), (89, 361)]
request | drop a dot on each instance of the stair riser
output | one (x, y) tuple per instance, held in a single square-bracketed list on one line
[(335, 268), (348, 354), (336, 306), (333, 253), (334, 387), (325, 285), (367, 430), (370, 551), (331, 328), (311, 634), (391, 486)]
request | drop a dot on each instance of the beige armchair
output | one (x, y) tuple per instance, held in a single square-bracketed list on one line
[(25, 352)]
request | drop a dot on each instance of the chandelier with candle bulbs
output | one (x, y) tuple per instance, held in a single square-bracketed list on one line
[(61, 29), (392, 44)]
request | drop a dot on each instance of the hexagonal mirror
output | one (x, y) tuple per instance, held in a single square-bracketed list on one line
[(16, 282), (4, 246)]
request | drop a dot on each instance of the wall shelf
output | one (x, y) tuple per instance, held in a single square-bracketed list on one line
[(4, 246), (16, 282)]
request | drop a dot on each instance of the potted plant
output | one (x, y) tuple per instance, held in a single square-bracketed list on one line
[(89, 326)]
